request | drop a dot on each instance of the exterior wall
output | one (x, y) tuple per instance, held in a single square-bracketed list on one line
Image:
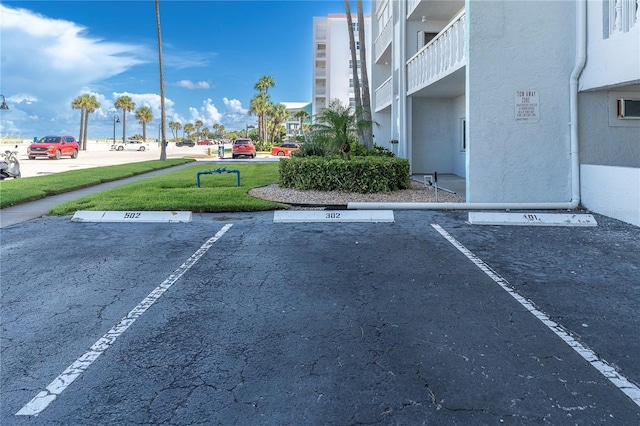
[(609, 157), (528, 45), (613, 54), (612, 191), (436, 135)]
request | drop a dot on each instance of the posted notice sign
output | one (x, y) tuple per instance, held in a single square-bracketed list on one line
[(527, 106)]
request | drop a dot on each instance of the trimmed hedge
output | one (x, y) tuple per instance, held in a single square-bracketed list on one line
[(361, 174)]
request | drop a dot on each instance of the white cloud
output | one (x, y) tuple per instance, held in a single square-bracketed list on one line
[(45, 61), (208, 113), (188, 84), (234, 106)]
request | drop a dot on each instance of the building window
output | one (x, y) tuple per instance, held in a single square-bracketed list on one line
[(351, 63), (463, 134), (355, 27), (352, 102)]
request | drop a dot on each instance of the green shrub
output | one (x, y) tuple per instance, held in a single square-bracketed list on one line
[(362, 174), (311, 149)]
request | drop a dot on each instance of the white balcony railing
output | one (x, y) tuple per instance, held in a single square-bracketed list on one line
[(623, 15), (440, 57), (411, 6), (381, 5), (384, 95), (383, 40)]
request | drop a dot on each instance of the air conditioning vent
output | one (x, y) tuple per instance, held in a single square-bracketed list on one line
[(629, 109)]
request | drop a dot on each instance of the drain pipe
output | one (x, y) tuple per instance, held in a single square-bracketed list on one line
[(581, 58)]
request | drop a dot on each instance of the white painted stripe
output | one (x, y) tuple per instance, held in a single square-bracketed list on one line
[(42, 400), (621, 382), (328, 216)]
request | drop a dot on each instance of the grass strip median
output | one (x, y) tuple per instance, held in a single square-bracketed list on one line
[(177, 190), (18, 191)]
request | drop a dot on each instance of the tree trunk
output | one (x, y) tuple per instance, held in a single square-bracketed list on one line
[(367, 130), (86, 122), (354, 63), (124, 124), (81, 126), (163, 148)]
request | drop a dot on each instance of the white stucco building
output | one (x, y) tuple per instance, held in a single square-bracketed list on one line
[(332, 67), (523, 98)]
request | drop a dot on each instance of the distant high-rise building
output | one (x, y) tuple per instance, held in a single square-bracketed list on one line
[(332, 64)]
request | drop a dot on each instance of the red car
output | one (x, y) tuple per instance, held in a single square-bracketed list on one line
[(243, 147), (205, 142), (285, 149), (54, 147)]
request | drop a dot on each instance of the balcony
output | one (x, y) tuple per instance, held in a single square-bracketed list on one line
[(383, 41), (441, 57), (623, 15), (381, 5), (384, 95)]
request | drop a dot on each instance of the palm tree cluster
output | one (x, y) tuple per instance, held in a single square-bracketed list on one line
[(270, 115), (86, 104), (336, 128), (196, 128)]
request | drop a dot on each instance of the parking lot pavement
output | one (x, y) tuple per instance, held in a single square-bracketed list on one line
[(232, 319)]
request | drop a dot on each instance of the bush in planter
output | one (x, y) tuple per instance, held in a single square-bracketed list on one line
[(362, 174)]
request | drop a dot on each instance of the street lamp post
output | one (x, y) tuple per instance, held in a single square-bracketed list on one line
[(246, 130), (4, 103), (116, 119)]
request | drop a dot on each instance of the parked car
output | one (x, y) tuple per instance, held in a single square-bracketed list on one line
[(131, 145), (54, 147), (284, 149), (186, 142), (205, 142), (243, 147)]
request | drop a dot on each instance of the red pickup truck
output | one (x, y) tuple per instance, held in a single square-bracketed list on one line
[(54, 147)]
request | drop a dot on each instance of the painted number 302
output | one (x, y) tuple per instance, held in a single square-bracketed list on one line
[(333, 216), (132, 215)]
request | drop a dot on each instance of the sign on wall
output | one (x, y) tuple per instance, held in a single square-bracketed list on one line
[(527, 106)]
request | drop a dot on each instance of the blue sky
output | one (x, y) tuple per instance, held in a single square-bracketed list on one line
[(214, 52)]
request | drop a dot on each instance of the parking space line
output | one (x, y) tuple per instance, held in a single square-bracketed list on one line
[(609, 372), (42, 400)]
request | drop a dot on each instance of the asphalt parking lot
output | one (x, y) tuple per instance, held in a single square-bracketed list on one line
[(234, 319)]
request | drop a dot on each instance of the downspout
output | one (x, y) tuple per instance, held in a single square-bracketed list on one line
[(581, 58)]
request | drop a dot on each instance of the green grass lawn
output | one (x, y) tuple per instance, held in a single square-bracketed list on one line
[(177, 190), (18, 191)]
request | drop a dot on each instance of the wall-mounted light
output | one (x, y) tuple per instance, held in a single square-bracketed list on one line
[(424, 19)]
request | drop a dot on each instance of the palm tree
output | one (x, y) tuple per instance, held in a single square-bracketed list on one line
[(90, 106), (367, 131), (266, 81), (125, 104), (197, 125), (78, 103), (175, 128), (206, 132), (188, 128), (338, 126), (144, 116), (163, 148), (301, 115), (259, 105), (279, 114), (354, 59)]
